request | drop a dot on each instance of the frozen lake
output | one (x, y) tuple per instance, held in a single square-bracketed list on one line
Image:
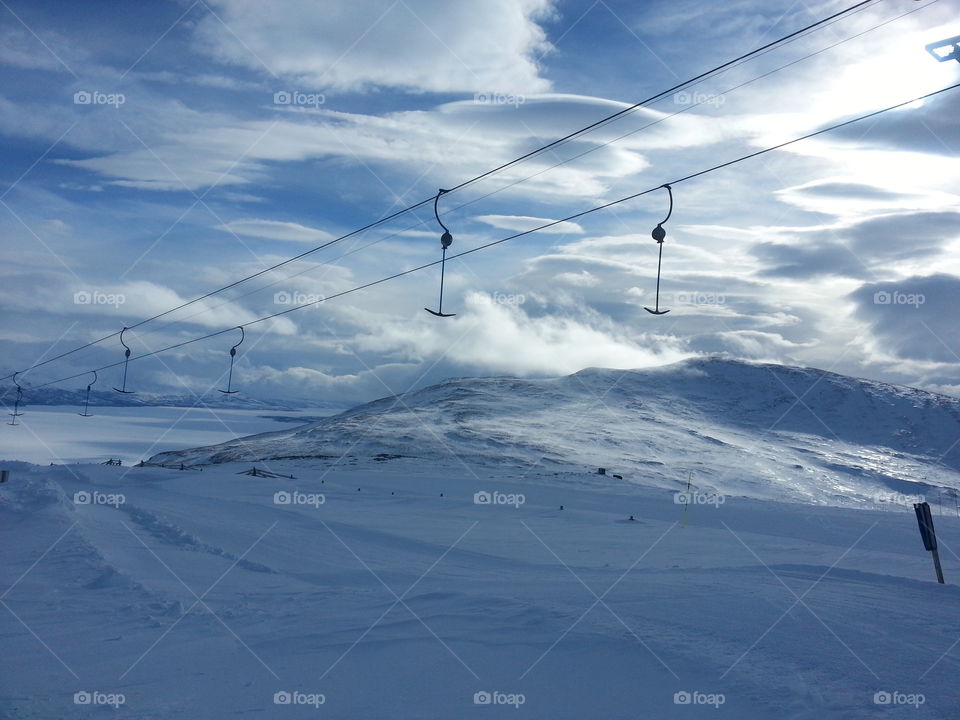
[(57, 434)]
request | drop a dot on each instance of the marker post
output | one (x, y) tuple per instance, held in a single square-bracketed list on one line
[(928, 535)]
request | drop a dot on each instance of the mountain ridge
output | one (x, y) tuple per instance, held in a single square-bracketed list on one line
[(744, 428)]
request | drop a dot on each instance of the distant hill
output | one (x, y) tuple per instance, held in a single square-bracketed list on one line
[(742, 428)]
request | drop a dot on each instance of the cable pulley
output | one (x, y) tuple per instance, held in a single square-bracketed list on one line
[(86, 402), (126, 362), (233, 355), (16, 403), (659, 234), (446, 240)]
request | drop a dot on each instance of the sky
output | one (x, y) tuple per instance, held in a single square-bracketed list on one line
[(153, 152)]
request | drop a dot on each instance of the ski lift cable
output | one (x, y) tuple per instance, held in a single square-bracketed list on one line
[(553, 144), (503, 188), (539, 228), (686, 109), (582, 213)]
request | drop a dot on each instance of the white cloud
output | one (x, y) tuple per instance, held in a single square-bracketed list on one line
[(196, 150), (913, 318), (451, 46), (521, 223), (583, 278), (847, 197), (200, 79), (144, 299), (19, 48), (275, 230), (753, 344), (368, 382), (501, 337)]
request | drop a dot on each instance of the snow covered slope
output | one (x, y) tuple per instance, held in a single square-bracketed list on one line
[(218, 595), (764, 431)]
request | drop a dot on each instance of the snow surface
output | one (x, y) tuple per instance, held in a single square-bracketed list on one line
[(201, 594), (399, 597)]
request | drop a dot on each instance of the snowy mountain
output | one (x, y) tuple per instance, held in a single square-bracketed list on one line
[(738, 428)]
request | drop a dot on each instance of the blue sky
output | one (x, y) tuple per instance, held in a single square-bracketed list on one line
[(148, 158)]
